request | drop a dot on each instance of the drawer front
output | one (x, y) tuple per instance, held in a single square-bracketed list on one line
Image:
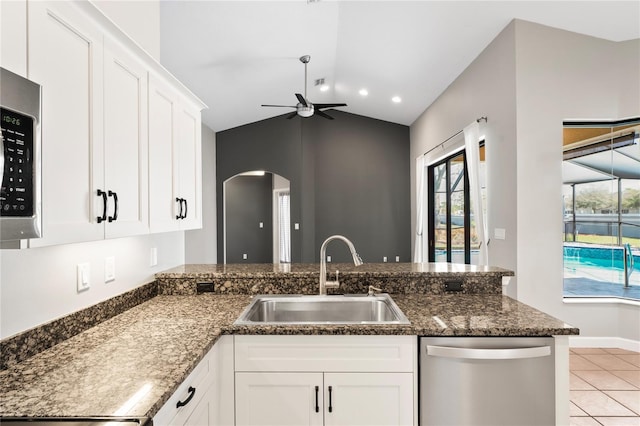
[(199, 379), (325, 353)]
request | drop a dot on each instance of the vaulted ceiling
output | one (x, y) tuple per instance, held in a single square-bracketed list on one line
[(237, 55)]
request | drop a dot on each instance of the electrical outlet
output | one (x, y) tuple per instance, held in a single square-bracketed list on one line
[(328, 259), (244, 256), (384, 259), (296, 226), (109, 269), (83, 276), (261, 224), (397, 258), (153, 256)]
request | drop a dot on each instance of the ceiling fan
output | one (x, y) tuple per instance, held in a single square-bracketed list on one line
[(305, 108)]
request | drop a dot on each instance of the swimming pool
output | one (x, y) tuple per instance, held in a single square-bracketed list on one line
[(598, 271)]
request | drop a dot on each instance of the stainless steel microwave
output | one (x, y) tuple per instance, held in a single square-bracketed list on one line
[(20, 161)]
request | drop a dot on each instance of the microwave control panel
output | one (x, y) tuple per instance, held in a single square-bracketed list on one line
[(16, 197)]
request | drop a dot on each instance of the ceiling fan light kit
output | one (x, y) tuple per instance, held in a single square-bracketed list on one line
[(304, 108)]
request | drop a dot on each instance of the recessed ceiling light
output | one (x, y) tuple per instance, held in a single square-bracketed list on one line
[(363, 92), (324, 87), (396, 99)]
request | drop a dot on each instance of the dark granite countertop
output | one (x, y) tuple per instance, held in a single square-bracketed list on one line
[(158, 343), (376, 269)]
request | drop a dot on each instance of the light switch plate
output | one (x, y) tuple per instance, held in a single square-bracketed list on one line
[(499, 233), (83, 276), (153, 256), (109, 269)]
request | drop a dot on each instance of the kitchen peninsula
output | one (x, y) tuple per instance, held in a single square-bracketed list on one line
[(152, 349)]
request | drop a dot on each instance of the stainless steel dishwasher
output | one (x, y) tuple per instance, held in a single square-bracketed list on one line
[(468, 381)]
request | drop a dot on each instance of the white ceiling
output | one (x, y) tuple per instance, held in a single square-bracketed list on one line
[(237, 55)]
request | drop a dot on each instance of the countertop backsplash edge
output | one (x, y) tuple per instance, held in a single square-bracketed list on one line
[(17, 348)]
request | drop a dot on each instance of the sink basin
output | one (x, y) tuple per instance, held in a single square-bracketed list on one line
[(304, 309)]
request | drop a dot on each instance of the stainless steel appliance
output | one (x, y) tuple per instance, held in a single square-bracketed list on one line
[(488, 381), (20, 117)]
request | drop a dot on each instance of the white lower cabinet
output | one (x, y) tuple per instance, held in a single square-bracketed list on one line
[(325, 380), (279, 399), (324, 398), (368, 399), (205, 397)]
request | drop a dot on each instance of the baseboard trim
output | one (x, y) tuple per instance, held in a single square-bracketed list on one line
[(604, 342)]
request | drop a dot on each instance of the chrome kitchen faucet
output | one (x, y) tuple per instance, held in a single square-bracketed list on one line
[(323, 262)]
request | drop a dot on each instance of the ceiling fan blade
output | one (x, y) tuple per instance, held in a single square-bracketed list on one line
[(323, 114), (301, 99), (283, 106), (317, 106), (291, 115)]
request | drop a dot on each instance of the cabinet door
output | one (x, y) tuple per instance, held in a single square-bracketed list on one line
[(126, 144), (279, 399), (368, 399), (189, 153), (65, 57), (163, 170), (13, 36), (201, 414)]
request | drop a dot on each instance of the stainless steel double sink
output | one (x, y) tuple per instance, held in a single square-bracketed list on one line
[(307, 309)]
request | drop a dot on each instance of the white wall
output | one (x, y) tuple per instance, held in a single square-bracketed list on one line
[(486, 88), (629, 70), (39, 285), (563, 75), (139, 19), (201, 244), (527, 81)]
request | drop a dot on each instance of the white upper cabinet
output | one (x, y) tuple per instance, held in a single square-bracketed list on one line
[(13, 36), (175, 160), (190, 160), (101, 117), (126, 153), (65, 57), (164, 179)]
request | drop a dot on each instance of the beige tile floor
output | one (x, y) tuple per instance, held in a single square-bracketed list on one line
[(605, 387)]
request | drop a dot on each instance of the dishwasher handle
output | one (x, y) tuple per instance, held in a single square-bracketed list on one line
[(488, 354)]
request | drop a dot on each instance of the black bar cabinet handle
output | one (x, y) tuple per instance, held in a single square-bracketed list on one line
[(115, 210), (330, 404), (192, 392), (185, 208), (104, 206), (179, 200), (317, 406)]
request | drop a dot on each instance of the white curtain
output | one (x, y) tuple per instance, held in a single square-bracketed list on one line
[(284, 225), (418, 252), (472, 152)]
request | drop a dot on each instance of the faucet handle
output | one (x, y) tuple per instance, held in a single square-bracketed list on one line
[(333, 284)]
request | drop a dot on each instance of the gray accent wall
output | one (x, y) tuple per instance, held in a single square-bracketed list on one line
[(249, 203), (348, 176)]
